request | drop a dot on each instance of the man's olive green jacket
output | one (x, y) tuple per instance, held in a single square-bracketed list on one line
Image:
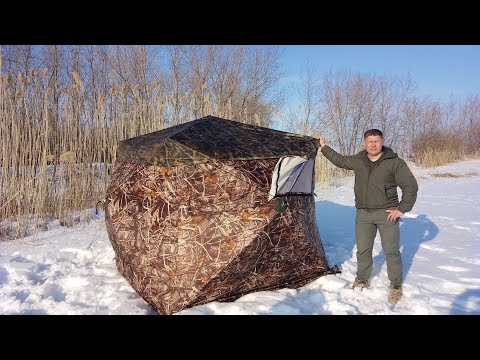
[(378, 189)]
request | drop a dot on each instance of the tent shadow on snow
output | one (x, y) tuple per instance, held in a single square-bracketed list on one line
[(465, 301), (303, 302), (189, 217), (413, 232), (337, 230)]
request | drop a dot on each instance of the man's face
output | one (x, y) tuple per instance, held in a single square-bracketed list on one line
[(373, 145)]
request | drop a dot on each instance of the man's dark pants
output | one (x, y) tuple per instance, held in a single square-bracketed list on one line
[(366, 225)]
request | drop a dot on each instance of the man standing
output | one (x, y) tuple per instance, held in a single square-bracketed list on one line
[(378, 172)]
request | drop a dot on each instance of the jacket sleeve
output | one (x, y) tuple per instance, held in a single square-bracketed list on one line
[(408, 184), (344, 162)]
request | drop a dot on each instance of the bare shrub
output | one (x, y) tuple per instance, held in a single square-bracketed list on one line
[(473, 142), (436, 148)]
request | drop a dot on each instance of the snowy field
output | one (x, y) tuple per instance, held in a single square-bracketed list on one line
[(72, 271)]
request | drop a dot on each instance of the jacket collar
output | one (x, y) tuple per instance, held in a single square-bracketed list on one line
[(387, 154)]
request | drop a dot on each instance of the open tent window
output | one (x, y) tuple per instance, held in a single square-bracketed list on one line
[(292, 176)]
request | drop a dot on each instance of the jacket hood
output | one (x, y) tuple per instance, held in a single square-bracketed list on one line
[(387, 154)]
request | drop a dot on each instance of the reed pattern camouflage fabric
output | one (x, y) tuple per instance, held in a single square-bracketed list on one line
[(207, 138), (189, 234)]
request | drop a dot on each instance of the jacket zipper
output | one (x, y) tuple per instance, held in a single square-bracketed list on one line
[(368, 183)]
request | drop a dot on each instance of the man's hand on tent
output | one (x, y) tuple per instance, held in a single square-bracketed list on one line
[(320, 140)]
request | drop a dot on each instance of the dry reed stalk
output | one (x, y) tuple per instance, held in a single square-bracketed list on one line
[(43, 116)]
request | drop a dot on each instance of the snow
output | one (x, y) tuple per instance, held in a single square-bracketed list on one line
[(72, 270)]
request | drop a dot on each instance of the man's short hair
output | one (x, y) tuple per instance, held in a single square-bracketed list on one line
[(373, 132)]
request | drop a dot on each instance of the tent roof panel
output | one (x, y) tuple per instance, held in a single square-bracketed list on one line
[(214, 138)]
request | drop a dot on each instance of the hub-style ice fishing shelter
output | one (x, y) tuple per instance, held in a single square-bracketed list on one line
[(213, 209)]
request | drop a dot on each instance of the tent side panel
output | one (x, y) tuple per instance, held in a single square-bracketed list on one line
[(283, 255), (175, 228)]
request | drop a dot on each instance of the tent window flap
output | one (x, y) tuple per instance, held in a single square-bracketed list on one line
[(292, 175)]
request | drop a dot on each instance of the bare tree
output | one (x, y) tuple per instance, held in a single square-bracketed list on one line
[(469, 123)]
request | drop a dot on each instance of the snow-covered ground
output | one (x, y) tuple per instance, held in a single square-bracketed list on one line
[(72, 271)]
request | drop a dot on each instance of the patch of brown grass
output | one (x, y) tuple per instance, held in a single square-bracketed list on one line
[(450, 175), (474, 155), (446, 175), (433, 158)]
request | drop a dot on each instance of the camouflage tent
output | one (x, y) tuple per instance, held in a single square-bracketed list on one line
[(189, 218)]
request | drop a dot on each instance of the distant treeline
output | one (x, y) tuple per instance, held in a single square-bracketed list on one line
[(63, 110), (341, 105)]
